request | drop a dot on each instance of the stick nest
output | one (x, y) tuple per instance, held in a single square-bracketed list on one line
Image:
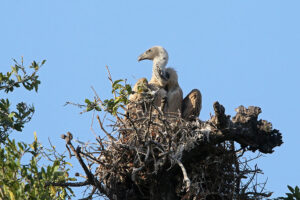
[(162, 156)]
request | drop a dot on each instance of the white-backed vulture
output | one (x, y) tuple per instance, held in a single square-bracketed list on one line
[(174, 93), (159, 78), (160, 57)]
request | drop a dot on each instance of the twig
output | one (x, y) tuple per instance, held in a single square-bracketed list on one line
[(110, 79), (103, 129), (67, 184), (91, 179), (185, 176)]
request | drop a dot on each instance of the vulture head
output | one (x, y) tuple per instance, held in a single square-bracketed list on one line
[(172, 78), (160, 57), (156, 54)]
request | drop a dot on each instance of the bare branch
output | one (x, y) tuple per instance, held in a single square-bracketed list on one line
[(68, 184)]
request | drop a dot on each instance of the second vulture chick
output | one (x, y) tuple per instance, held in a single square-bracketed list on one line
[(174, 93)]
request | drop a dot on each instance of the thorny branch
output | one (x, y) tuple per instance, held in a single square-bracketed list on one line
[(91, 179)]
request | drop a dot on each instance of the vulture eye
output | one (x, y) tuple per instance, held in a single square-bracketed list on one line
[(149, 50)]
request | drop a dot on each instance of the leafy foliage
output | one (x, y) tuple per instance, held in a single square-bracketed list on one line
[(27, 181), (15, 120), (21, 175), (21, 77), (293, 195), (121, 91), (91, 105)]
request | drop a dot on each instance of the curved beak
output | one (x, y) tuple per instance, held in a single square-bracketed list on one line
[(142, 57)]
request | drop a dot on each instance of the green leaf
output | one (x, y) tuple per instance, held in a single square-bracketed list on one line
[(14, 69), (296, 190), (20, 146), (27, 187), (11, 195), (128, 88), (67, 163), (290, 196), (11, 115), (55, 168), (291, 189), (116, 82), (19, 78), (98, 108), (87, 101), (59, 173), (73, 179)]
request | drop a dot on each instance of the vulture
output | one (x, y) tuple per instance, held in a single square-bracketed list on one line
[(164, 82), (191, 105), (160, 57), (139, 88), (174, 93), (159, 78)]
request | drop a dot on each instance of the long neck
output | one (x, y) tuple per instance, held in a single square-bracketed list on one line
[(159, 68), (159, 64), (160, 61)]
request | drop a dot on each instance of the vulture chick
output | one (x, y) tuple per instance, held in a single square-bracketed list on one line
[(191, 105), (174, 93), (139, 88)]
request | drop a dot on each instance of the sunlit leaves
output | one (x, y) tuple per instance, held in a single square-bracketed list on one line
[(91, 105), (21, 77), (14, 120), (17, 77), (294, 194), (120, 90), (27, 180), (24, 178)]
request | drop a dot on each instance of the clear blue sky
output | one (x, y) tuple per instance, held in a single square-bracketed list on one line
[(235, 52)]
